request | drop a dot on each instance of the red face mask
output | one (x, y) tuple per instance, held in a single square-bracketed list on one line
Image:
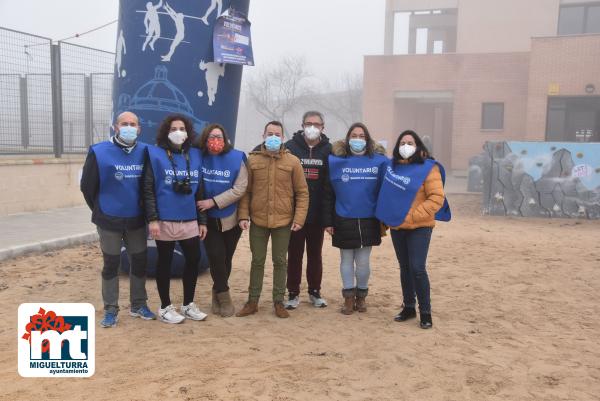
[(215, 145)]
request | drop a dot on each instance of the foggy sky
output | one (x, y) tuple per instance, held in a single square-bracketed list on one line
[(333, 35)]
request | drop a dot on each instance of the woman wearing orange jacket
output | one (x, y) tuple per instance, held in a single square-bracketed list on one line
[(410, 200)]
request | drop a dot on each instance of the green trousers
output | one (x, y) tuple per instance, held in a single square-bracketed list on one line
[(259, 240)]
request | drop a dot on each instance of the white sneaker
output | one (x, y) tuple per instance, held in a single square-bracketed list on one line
[(191, 311), (170, 315), (292, 303), (317, 301)]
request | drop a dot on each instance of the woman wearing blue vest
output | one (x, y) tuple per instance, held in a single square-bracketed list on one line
[(171, 188), (410, 200), (225, 179), (355, 172)]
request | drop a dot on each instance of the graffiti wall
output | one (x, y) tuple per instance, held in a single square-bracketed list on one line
[(541, 179), (163, 64)]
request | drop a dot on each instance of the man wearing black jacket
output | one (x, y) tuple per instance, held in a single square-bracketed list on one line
[(111, 184), (312, 147)]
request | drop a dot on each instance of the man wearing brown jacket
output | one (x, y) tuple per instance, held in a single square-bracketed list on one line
[(276, 202)]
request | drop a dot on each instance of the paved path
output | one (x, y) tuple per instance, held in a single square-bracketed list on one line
[(42, 231)]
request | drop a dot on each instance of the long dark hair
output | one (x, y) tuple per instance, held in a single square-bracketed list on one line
[(370, 149), (162, 136), (201, 143), (420, 155)]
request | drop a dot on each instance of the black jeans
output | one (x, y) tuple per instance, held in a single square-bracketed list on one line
[(411, 248), (191, 252), (220, 247), (312, 236)]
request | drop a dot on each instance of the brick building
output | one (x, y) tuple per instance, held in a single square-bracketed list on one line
[(463, 72)]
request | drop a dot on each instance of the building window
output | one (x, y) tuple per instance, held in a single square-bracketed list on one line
[(421, 45), (579, 19), (573, 119), (492, 116), (593, 19)]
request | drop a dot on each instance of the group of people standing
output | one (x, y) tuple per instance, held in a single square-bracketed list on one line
[(188, 188)]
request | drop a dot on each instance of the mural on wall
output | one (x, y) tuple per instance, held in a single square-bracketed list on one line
[(540, 179), (163, 64)]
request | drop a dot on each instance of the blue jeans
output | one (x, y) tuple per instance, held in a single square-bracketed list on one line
[(360, 258), (411, 248)]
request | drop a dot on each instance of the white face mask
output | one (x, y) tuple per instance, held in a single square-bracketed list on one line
[(407, 151), (177, 137), (312, 132)]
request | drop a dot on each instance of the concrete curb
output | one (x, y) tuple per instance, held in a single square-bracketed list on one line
[(50, 245)]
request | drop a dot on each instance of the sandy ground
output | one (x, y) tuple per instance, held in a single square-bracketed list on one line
[(515, 309)]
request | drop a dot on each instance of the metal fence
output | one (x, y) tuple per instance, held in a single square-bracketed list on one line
[(54, 98)]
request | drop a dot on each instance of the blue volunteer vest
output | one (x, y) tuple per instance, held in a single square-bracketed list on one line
[(120, 179), (218, 175), (171, 205), (399, 188), (356, 181)]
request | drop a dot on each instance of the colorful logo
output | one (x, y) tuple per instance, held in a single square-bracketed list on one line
[(56, 340), (582, 171)]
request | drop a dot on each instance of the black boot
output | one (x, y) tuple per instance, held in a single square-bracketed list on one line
[(405, 314), (426, 322)]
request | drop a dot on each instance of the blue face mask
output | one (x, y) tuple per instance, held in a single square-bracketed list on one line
[(357, 145), (128, 134), (273, 143)]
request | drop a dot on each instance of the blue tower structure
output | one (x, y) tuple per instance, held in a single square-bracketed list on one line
[(163, 64)]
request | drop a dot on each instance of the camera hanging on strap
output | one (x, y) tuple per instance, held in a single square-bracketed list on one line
[(184, 186)]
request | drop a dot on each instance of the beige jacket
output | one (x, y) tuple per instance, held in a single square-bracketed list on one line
[(277, 194)]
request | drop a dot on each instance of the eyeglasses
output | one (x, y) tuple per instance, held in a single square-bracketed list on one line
[(214, 137)]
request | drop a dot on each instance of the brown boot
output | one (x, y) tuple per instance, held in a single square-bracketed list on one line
[(360, 304), (280, 310), (348, 295), (250, 308), (215, 308), (226, 304)]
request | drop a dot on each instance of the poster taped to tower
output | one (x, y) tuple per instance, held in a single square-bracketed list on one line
[(232, 42)]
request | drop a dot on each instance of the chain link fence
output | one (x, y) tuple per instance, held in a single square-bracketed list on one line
[(54, 98)]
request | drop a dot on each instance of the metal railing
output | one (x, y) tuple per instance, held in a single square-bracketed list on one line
[(54, 98)]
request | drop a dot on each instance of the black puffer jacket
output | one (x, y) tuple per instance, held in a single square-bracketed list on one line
[(349, 233), (314, 162)]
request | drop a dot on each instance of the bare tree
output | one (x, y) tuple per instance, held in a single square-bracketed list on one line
[(276, 91), (345, 102)]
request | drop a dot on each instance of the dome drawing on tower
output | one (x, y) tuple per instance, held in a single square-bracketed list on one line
[(159, 94)]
